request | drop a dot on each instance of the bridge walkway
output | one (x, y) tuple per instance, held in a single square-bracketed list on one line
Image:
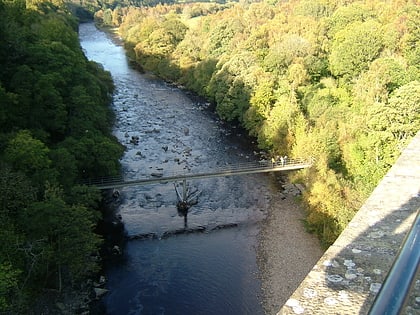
[(227, 170)]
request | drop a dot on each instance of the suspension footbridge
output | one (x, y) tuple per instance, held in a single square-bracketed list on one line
[(263, 166)]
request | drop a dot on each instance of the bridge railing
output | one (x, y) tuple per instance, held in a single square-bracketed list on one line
[(394, 292), (226, 168), (102, 180), (262, 164)]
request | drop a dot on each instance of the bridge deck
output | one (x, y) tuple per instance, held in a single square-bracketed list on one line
[(228, 170)]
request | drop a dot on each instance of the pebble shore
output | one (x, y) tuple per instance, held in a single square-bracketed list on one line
[(286, 251)]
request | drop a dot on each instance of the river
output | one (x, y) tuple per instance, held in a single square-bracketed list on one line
[(214, 271)]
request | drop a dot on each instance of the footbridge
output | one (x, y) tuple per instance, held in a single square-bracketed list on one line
[(264, 166)]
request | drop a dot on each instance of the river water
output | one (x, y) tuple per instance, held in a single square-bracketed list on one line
[(211, 272)]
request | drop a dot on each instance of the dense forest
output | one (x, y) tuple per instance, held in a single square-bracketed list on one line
[(337, 80), (55, 130)]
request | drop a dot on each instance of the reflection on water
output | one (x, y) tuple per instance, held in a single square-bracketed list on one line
[(198, 273)]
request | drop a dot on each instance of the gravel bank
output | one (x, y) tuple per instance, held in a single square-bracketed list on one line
[(286, 251)]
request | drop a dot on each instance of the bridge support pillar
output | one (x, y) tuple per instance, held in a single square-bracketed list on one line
[(184, 190)]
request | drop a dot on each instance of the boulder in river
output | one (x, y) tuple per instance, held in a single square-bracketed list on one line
[(99, 292)]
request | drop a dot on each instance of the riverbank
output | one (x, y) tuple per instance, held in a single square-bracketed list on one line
[(286, 252)]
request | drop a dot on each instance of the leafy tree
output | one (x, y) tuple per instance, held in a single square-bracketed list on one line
[(84, 113), (107, 17), (354, 47), (94, 154), (189, 50), (17, 193), (258, 43), (276, 131), (27, 154), (82, 195), (344, 16), (382, 78), (8, 101), (65, 164), (315, 8), (198, 78), (326, 102), (282, 55), (367, 160), (411, 38), (51, 113), (8, 286), (401, 115), (221, 35), (69, 241), (234, 102)]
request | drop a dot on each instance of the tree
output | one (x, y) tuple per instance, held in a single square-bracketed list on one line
[(51, 113), (16, 193), (235, 102), (277, 129), (95, 154), (344, 15), (315, 8), (65, 164), (8, 286), (8, 102), (221, 35), (382, 78), (68, 237), (354, 47), (401, 115), (411, 38), (27, 154)]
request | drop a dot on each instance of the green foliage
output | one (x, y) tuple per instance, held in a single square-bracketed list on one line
[(198, 78), (382, 78), (17, 193), (315, 8), (401, 115), (221, 35), (55, 128), (344, 16), (411, 38), (67, 234), (27, 154), (94, 154), (354, 47), (283, 53), (8, 286)]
